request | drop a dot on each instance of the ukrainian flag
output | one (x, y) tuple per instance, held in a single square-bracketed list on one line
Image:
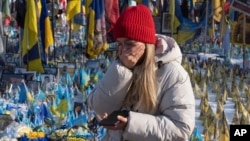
[(96, 42), (187, 31), (184, 28), (30, 50), (45, 28), (176, 16), (73, 8)]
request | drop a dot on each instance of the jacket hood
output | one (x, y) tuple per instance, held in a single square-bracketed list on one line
[(167, 50)]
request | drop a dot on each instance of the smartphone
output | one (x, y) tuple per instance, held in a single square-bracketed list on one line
[(112, 120)]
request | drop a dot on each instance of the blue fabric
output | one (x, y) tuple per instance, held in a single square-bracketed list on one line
[(98, 7), (196, 136), (145, 2), (44, 15), (45, 112), (41, 96), (22, 93), (66, 79), (69, 98), (24, 138)]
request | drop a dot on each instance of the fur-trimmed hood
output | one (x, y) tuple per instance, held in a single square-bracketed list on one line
[(167, 50)]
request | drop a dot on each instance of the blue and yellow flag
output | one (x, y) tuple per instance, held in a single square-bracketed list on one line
[(30, 50), (73, 8), (96, 42), (186, 28), (176, 16), (186, 31), (45, 28)]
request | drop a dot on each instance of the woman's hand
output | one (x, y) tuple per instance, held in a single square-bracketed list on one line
[(120, 126), (129, 56)]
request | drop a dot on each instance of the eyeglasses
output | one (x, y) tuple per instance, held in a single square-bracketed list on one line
[(127, 45)]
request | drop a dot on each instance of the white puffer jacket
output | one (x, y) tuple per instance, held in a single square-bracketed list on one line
[(174, 119)]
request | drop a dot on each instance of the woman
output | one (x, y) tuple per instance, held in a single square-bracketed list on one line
[(148, 80)]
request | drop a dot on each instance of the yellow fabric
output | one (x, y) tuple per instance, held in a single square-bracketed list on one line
[(39, 8), (35, 65), (30, 37), (224, 132), (91, 27), (183, 36), (29, 97), (75, 139), (7, 112), (95, 78), (87, 6), (63, 106), (73, 7), (48, 35), (54, 111), (35, 135), (75, 27), (30, 27), (174, 21), (218, 9), (155, 11)]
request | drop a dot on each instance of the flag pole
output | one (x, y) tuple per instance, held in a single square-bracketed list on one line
[(205, 38), (70, 32), (244, 41), (27, 42), (20, 46), (53, 32), (4, 40), (222, 30)]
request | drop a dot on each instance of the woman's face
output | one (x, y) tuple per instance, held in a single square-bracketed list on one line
[(130, 51)]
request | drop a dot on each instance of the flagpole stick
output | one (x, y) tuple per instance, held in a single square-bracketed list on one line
[(244, 41), (172, 19), (70, 35), (53, 32), (20, 46), (213, 29), (2, 30), (222, 30), (1, 26), (70, 24), (205, 38)]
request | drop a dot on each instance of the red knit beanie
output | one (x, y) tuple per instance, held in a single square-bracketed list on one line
[(136, 23)]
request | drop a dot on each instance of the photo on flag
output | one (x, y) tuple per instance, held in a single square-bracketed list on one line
[(166, 22)]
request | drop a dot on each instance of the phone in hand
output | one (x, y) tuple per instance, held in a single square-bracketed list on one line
[(112, 120)]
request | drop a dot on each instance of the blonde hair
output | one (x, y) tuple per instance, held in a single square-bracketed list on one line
[(142, 92)]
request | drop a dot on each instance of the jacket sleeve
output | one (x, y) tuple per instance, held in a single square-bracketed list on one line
[(110, 91), (176, 118)]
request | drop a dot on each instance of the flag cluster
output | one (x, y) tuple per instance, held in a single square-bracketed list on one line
[(215, 83), (33, 54)]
